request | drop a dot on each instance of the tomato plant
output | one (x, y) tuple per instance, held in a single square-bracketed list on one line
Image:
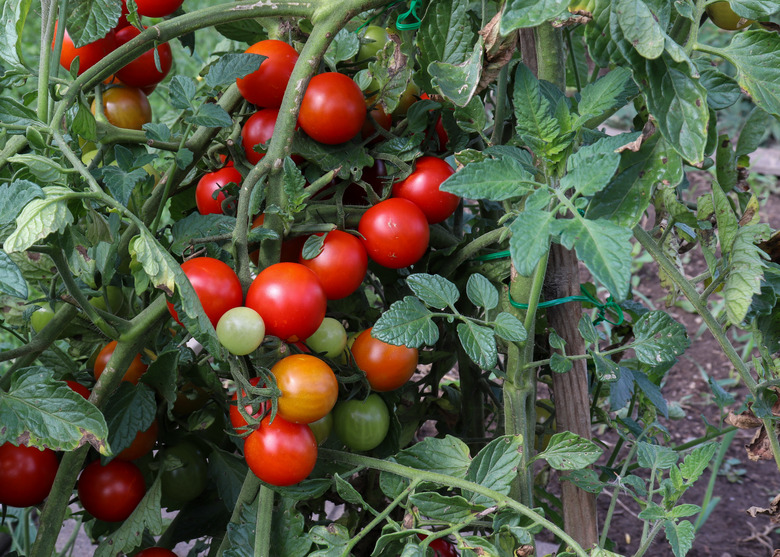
[(157, 8), (265, 87), (395, 233), (421, 187), (216, 285), (132, 374), (333, 109), (143, 72), (111, 492), (210, 194), (26, 474), (241, 330), (185, 473), (361, 424), (387, 367), (142, 444), (126, 107), (289, 298), (341, 265), (308, 385), (281, 453)]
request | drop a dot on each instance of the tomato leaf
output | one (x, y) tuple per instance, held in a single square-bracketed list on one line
[(479, 343), (331, 157), (481, 292), (458, 82), (182, 91), (440, 507), (344, 46), (196, 225), (211, 115), (753, 131), (530, 13), (246, 31), (606, 369), (493, 179), (495, 467), (604, 95), (162, 374), (130, 409), (121, 183), (13, 112), (232, 66), (91, 20), (434, 290), (509, 327), (11, 279), (586, 479), (347, 492), (407, 322), (536, 124), (15, 196), (568, 451), (14, 13), (448, 455), (655, 456), (42, 168), (659, 338), (641, 27), (530, 239), (754, 9), (680, 536), (288, 534), (722, 90), (591, 168), (229, 471), (39, 218), (334, 537), (559, 363), (745, 271), (695, 463)]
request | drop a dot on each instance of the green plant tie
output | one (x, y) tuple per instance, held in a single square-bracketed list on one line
[(373, 17), (412, 13)]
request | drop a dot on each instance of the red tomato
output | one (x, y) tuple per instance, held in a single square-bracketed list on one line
[(210, 185), (216, 285), (281, 453), (258, 130), (309, 388), (156, 552), (386, 366), (236, 418), (126, 107), (333, 109), (89, 54), (341, 265), (111, 492), (441, 547), (421, 187), (79, 388), (142, 444), (157, 8), (395, 233), (142, 71), (265, 87), (289, 298), (26, 474), (132, 374)]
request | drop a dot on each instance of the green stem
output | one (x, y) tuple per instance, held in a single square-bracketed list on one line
[(49, 17), (249, 490), (650, 492), (724, 447), (615, 494), (470, 250), (265, 508), (15, 144), (646, 544)]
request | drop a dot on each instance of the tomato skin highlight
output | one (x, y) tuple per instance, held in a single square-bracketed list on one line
[(26, 474), (133, 372), (387, 367), (210, 183), (289, 298), (142, 72), (395, 233), (111, 492), (341, 266), (309, 388), (362, 425), (421, 187), (281, 453), (265, 87), (216, 285), (333, 109)]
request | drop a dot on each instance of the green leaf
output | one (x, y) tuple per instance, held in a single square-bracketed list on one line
[(42, 168), (348, 493), (640, 27), (15, 113), (653, 512), (183, 158), (232, 66), (745, 271), (182, 91), (556, 341), (11, 279), (293, 184), (726, 218), (699, 459), (196, 225), (330, 157), (472, 118), (407, 322), (536, 124), (479, 343), (90, 20), (458, 81), (530, 239), (481, 292), (39, 218), (659, 338), (605, 248), (13, 14), (586, 479), (157, 131), (651, 391), (604, 95), (445, 35), (335, 536), (247, 31), (130, 409), (344, 46), (753, 131), (440, 507), (587, 330), (756, 56), (681, 511), (229, 471), (509, 327), (655, 456), (15, 196), (496, 467), (288, 536), (41, 412), (606, 369), (120, 183), (680, 536), (722, 90), (560, 363), (392, 73), (568, 451), (156, 261), (591, 168), (434, 290), (211, 115), (755, 9), (530, 13), (493, 179), (448, 456)]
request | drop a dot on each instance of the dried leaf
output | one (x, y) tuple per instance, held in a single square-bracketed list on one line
[(745, 420), (773, 511), (498, 51)]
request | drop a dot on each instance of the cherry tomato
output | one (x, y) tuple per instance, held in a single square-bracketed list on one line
[(362, 424), (395, 233), (241, 330), (142, 71), (142, 444), (157, 8), (441, 547), (132, 374), (289, 298), (111, 492), (330, 338), (373, 40), (724, 17), (236, 418), (333, 109), (26, 474), (441, 134), (281, 453), (410, 96), (386, 366), (89, 54), (209, 195), (156, 552), (265, 87), (126, 107), (322, 428), (41, 317), (309, 388), (216, 285), (185, 473), (341, 265), (257, 130), (78, 388), (421, 187)]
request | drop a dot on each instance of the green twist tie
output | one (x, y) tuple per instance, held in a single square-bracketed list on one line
[(373, 17), (586, 297), (412, 13)]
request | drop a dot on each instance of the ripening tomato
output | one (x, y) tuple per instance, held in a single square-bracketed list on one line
[(133, 372), (241, 330), (341, 265), (387, 367), (309, 388), (142, 71), (421, 187), (291, 247), (333, 108), (216, 285), (88, 55), (289, 298), (281, 453), (111, 492), (362, 425), (157, 8), (265, 87), (156, 552), (209, 193), (724, 17), (26, 474), (142, 444), (236, 418), (395, 233), (126, 107)]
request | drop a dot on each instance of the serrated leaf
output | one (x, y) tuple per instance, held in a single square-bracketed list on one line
[(606, 369), (536, 123), (211, 115), (448, 456), (11, 279), (655, 456), (13, 14), (434, 290), (344, 46), (659, 338), (530, 239), (288, 535), (722, 90), (436, 506), (495, 467), (332, 157), (458, 81), (587, 330), (590, 169), (509, 327), (14, 113), (90, 20), (120, 183), (42, 168), (640, 27), (479, 343), (39, 218), (745, 271), (481, 292), (586, 479), (680, 536), (756, 56), (312, 247), (407, 323), (752, 133), (568, 451), (293, 184), (130, 410), (15, 196), (157, 131), (182, 91), (196, 225), (604, 95), (530, 13), (651, 391), (156, 262), (334, 536), (232, 66), (348, 493), (493, 179), (695, 463)]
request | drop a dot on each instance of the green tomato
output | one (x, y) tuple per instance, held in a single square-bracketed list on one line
[(724, 17), (372, 41), (185, 474), (329, 339), (115, 300), (322, 428), (41, 317), (362, 424), (241, 330)]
